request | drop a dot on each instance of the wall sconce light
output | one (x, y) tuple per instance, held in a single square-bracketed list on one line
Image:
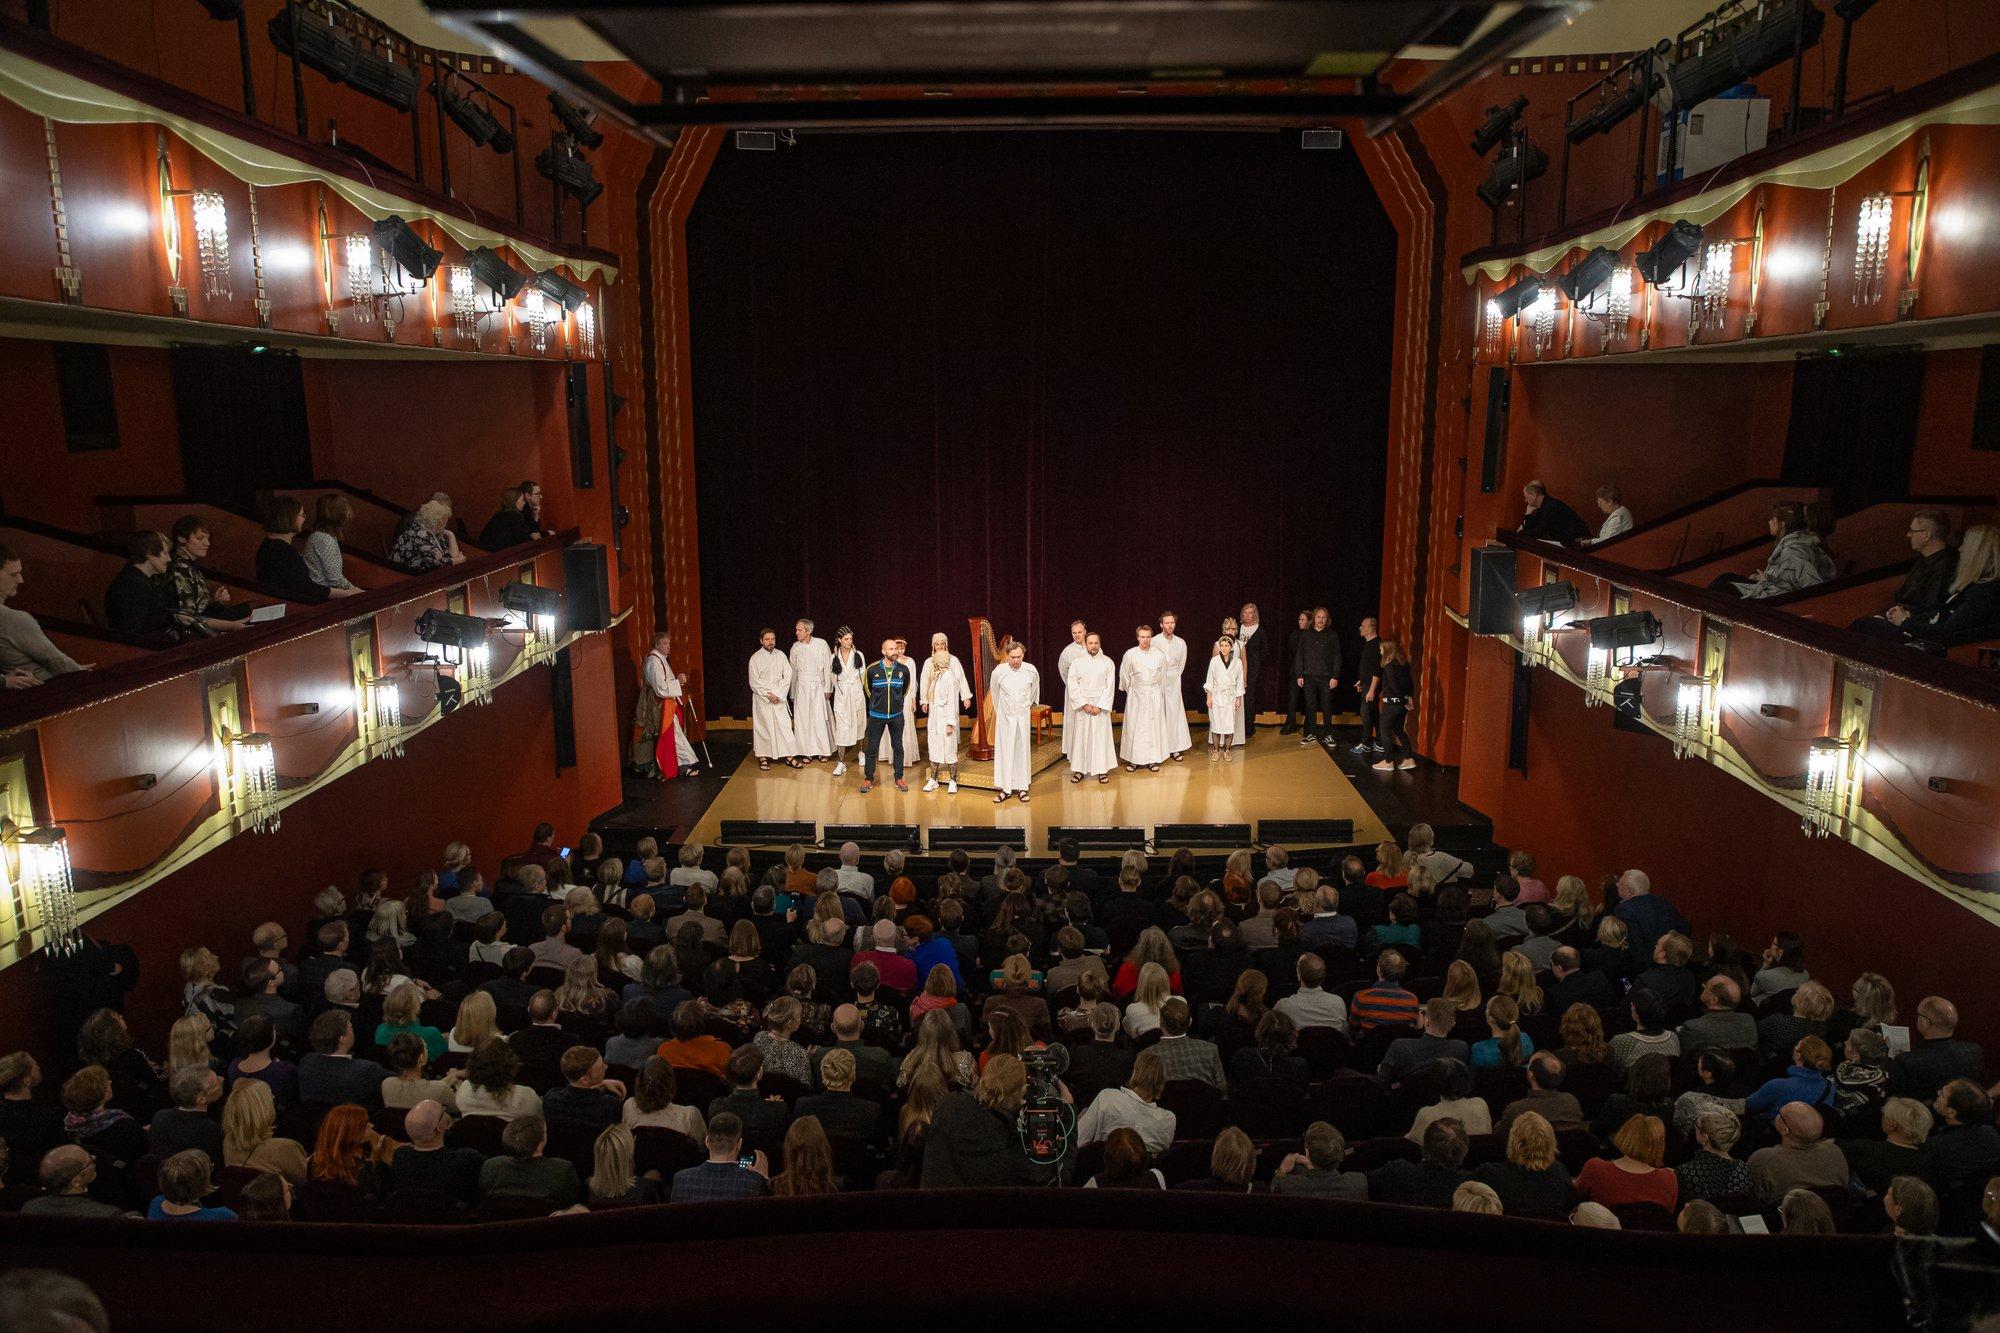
[(211, 242), (1492, 323), (1596, 672), (536, 307), (1541, 320), (1618, 305), (46, 880), (384, 702), (1872, 238), (254, 762), (1826, 786), (476, 675), (586, 329), (1690, 714), (464, 301), (1711, 293), (361, 274)]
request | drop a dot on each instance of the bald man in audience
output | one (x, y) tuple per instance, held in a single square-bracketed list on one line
[(1719, 1026), (1802, 1159), (1935, 1056), (426, 1163), (66, 1175)]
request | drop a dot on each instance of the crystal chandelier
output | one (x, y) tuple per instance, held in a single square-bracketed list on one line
[(211, 240), (1618, 305), (537, 309), (1596, 673), (385, 706), (586, 329), (464, 303), (48, 884), (361, 275), (1711, 299), (1493, 323), (476, 675), (256, 764), (1826, 782), (1690, 714), (1871, 248), (1541, 318)]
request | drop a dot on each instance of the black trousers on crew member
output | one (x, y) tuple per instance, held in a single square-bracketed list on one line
[(1371, 722), (1294, 698), (1394, 739), (1318, 704), (876, 725)]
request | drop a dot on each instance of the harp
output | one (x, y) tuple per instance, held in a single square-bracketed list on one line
[(986, 654)]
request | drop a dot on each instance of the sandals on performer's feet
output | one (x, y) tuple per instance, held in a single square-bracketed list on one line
[(1176, 758), (1024, 798), (1001, 799), (1076, 777), (1152, 768), (1104, 777), (763, 765), (1131, 768)]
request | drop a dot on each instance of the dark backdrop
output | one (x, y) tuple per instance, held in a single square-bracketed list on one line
[(1036, 376)]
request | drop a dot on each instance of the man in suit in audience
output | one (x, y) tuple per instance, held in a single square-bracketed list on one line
[(1545, 1097), (841, 1113), (334, 941), (541, 1044), (1719, 1025), (1431, 1182), (1669, 979), (1549, 519), (261, 979), (330, 1074), (512, 991), (1935, 1057), (426, 1163), (1540, 946), (872, 1064), (758, 1114), (1646, 915), (1368, 905), (1183, 1057), (1410, 1055), (1574, 985)]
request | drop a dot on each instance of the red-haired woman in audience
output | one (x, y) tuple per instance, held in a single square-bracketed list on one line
[(1125, 1164), (345, 1170), (1636, 1175), (940, 992), (808, 1161)]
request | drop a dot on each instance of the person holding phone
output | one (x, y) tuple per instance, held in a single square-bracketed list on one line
[(730, 1172)]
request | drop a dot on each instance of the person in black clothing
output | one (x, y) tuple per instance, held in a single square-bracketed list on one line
[(28, 1127), (1368, 687), (139, 600), (1255, 641), (1549, 519), (518, 519), (187, 1123), (973, 1142), (1294, 685), (1928, 583), (1971, 607), (1316, 668), (1398, 693), (1431, 1182), (280, 567)]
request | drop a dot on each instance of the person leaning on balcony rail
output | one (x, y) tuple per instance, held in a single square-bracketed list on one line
[(27, 658), (141, 599), (1971, 608), (331, 515), (427, 541), (280, 567)]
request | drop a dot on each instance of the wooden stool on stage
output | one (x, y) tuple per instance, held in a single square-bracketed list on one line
[(1041, 717)]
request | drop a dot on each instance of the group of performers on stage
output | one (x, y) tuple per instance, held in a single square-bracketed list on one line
[(816, 700)]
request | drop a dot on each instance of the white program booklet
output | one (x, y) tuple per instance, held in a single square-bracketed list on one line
[(1753, 1225), (1897, 1037), (260, 614)]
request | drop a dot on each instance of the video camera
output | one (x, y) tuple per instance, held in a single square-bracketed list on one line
[(1047, 1123)]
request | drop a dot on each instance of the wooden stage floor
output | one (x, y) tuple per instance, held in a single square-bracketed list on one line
[(1272, 778)]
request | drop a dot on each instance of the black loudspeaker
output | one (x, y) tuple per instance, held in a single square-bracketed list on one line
[(874, 835), (1305, 832), (1518, 709), (973, 838), (1201, 835), (1121, 839), (562, 702), (1494, 609), (586, 587), (770, 832), (1628, 706)]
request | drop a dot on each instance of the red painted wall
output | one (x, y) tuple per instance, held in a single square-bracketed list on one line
[(42, 479)]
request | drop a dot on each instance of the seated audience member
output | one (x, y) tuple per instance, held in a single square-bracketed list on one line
[(524, 1171), (1531, 1179), (187, 1123), (1274, 1054), (652, 1103), (729, 1172), (1718, 1026), (1701, 1218), (66, 1174), (1964, 1146), (1906, 1125), (1549, 519), (1428, 1183), (1232, 1167), (186, 1178), (1617, 518), (808, 1162), (96, 1124), (263, 980), (1142, 1012), (1125, 1164), (1645, 914), (333, 939), (1386, 1003), (1014, 988), (1538, 950), (140, 600), (28, 1127), (1910, 1205), (1971, 607), (540, 1045), (1544, 1097), (1798, 559), (839, 1112), (517, 521), (1712, 1173), (1803, 1213), (280, 567), (1715, 1075), (1801, 1157), (1315, 1172), (1861, 1078), (427, 542), (1935, 1057), (1783, 966), (782, 1055), (587, 1096), (1650, 1034), (1594, 1215), (1454, 1102), (1135, 1106), (1575, 985), (692, 1046), (490, 1088), (1778, 1035), (250, 1134), (1328, 925), (402, 1011), (872, 1064), (330, 1073), (634, 1040), (1805, 1081), (1402, 929), (197, 605), (1668, 978), (1183, 1057), (332, 513), (1508, 1047), (27, 658), (744, 1100), (972, 1140), (426, 1162), (1311, 1005), (1928, 583), (1102, 1062), (1408, 1056), (1648, 1091), (1636, 1175)]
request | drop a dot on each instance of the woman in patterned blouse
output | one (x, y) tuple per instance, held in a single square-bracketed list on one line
[(427, 541), (196, 605)]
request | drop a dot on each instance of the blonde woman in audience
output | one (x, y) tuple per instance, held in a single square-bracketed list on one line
[(391, 921), (249, 1133), (1142, 1015), (1571, 914), (938, 1049), (1461, 987), (1517, 982), (580, 993), (1388, 872), (614, 1183), (1871, 1004), (478, 1021), (188, 1044), (1473, 1197)]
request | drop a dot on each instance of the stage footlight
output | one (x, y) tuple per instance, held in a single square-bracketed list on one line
[(1545, 599), (579, 121), (402, 244), (1522, 294), (1739, 55), (1589, 273), (558, 288), (1511, 172), (1633, 629), (1499, 122), (1670, 253)]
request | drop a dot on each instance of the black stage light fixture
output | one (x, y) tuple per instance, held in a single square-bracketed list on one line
[(1633, 629), (1511, 172), (1742, 54), (1545, 599), (403, 245), (578, 121), (1588, 274), (449, 629), (1670, 253), (558, 288), (561, 163), (531, 599), (383, 79), (1518, 297), (479, 124), (1613, 110), (1498, 124), (503, 278), (316, 44)]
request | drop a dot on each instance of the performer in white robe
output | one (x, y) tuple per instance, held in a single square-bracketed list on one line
[(1224, 688), (1016, 688), (771, 720), (812, 690), (659, 683), (1091, 687), (910, 749), (941, 689), (1071, 651), (1141, 674), (1174, 649), (850, 705)]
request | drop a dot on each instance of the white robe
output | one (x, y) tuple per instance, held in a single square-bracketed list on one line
[(812, 677), (1015, 694), (912, 751), (1141, 675), (1225, 697), (850, 702), (1070, 653), (770, 673), (942, 691), (1087, 738), (1175, 651), (661, 680)]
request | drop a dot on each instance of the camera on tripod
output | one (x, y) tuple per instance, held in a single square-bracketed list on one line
[(1047, 1123)]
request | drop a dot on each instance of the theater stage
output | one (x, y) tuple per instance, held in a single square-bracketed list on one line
[(1272, 778)]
